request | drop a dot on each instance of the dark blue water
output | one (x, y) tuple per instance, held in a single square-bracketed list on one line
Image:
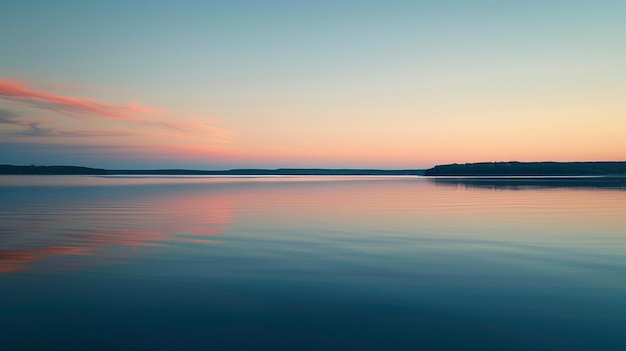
[(309, 264)]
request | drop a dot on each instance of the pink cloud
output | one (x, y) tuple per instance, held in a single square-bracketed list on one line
[(71, 105), (15, 90)]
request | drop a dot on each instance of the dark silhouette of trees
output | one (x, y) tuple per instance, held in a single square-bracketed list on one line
[(529, 169), (43, 170)]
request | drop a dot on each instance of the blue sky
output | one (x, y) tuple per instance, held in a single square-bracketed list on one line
[(327, 83)]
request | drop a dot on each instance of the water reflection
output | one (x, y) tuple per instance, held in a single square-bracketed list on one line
[(37, 223), (615, 182), (310, 263), (93, 217), (16, 260)]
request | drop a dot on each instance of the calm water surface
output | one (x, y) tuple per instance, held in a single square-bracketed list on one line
[(309, 263)]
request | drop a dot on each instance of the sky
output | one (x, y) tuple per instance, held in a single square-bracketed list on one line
[(334, 84)]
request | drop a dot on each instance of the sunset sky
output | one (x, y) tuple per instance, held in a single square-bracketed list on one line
[(359, 84)]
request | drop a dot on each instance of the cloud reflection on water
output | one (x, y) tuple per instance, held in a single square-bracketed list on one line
[(16, 260), (101, 216), (41, 222)]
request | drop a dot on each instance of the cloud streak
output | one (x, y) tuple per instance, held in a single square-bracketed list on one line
[(33, 128), (29, 127), (19, 91), (72, 106)]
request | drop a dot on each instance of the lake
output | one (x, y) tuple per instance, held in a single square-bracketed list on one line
[(310, 263)]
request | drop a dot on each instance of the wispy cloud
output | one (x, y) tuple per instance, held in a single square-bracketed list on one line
[(27, 127), (34, 128), (6, 115), (20, 91), (24, 93)]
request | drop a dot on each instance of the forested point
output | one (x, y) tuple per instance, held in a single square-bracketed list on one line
[(529, 169)]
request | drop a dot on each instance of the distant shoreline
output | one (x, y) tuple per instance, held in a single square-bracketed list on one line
[(77, 170), (483, 169)]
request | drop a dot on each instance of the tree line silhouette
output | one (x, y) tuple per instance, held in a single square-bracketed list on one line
[(529, 169)]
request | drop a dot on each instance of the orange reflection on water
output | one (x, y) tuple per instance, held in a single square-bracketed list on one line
[(142, 216), (405, 205), (134, 238), (99, 224), (16, 260)]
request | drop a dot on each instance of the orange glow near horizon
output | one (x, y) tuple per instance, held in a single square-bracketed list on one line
[(133, 133), (387, 85)]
